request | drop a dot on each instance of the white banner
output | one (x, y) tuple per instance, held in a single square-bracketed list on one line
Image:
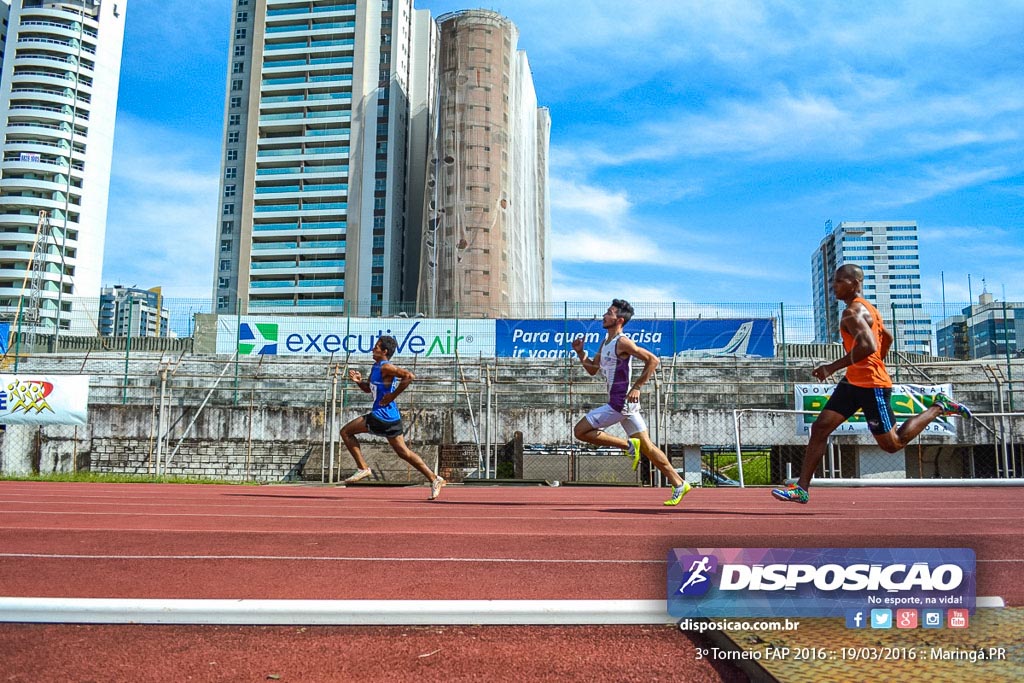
[(907, 400), (288, 336), (44, 399)]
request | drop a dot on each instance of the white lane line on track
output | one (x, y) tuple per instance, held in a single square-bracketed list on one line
[(417, 514), (318, 558), (329, 532), (331, 558), (413, 514), (342, 612)]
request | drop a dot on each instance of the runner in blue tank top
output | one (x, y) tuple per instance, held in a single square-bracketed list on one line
[(385, 383), (614, 360)]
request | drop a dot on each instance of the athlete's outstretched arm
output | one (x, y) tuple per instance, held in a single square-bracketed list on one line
[(358, 379), (591, 366)]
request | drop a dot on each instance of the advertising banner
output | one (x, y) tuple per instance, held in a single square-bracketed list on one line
[(286, 336), (5, 336), (684, 338), (44, 399), (818, 582), (907, 400)]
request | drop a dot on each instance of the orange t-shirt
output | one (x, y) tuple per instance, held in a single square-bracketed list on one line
[(868, 372)]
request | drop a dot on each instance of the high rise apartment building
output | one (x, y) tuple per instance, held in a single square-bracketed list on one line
[(58, 98), (325, 140), (485, 241), (888, 253), (5, 15), (989, 329), (133, 312)]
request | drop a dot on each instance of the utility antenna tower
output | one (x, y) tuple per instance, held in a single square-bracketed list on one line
[(31, 311)]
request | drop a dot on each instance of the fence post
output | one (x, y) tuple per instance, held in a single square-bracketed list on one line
[(455, 359), (323, 437), (1006, 344), (160, 422), (568, 372), (238, 339), (489, 432), (334, 420), (895, 342), (658, 431), (785, 353), (348, 354), (17, 335), (127, 354), (739, 448), (675, 351)]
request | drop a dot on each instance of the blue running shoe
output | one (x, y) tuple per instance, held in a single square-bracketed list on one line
[(792, 493)]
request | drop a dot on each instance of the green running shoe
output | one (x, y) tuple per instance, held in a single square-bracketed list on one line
[(950, 407), (677, 494), (633, 451)]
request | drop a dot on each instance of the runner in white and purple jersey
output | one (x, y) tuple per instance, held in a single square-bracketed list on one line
[(614, 361), (618, 372)]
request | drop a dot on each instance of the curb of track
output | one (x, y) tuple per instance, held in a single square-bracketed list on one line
[(340, 612)]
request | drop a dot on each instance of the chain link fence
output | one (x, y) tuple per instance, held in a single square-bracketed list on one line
[(166, 410), (986, 446)]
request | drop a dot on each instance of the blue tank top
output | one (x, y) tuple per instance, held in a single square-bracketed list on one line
[(378, 388)]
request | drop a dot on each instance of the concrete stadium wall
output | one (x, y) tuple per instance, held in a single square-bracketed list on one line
[(284, 432), (272, 444)]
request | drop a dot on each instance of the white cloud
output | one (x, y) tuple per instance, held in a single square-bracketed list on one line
[(600, 291), (912, 187), (856, 124), (583, 247), (960, 234), (605, 206), (180, 27), (593, 225), (939, 181), (162, 211), (666, 118)]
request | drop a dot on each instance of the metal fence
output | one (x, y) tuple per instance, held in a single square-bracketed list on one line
[(269, 418), (988, 446)]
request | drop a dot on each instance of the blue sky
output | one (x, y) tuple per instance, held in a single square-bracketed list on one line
[(697, 147)]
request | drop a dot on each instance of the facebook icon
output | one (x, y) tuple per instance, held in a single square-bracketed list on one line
[(856, 619)]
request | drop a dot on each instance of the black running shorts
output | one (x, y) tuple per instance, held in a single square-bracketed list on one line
[(847, 399), (381, 428)]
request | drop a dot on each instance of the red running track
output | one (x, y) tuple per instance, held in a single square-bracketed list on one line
[(292, 542), (302, 542)]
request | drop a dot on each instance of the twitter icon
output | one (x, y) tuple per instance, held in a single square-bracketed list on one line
[(881, 618)]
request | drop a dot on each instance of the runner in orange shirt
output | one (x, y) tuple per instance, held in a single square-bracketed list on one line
[(865, 387)]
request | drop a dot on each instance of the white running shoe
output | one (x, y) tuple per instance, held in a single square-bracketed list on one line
[(359, 474), (435, 487)]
